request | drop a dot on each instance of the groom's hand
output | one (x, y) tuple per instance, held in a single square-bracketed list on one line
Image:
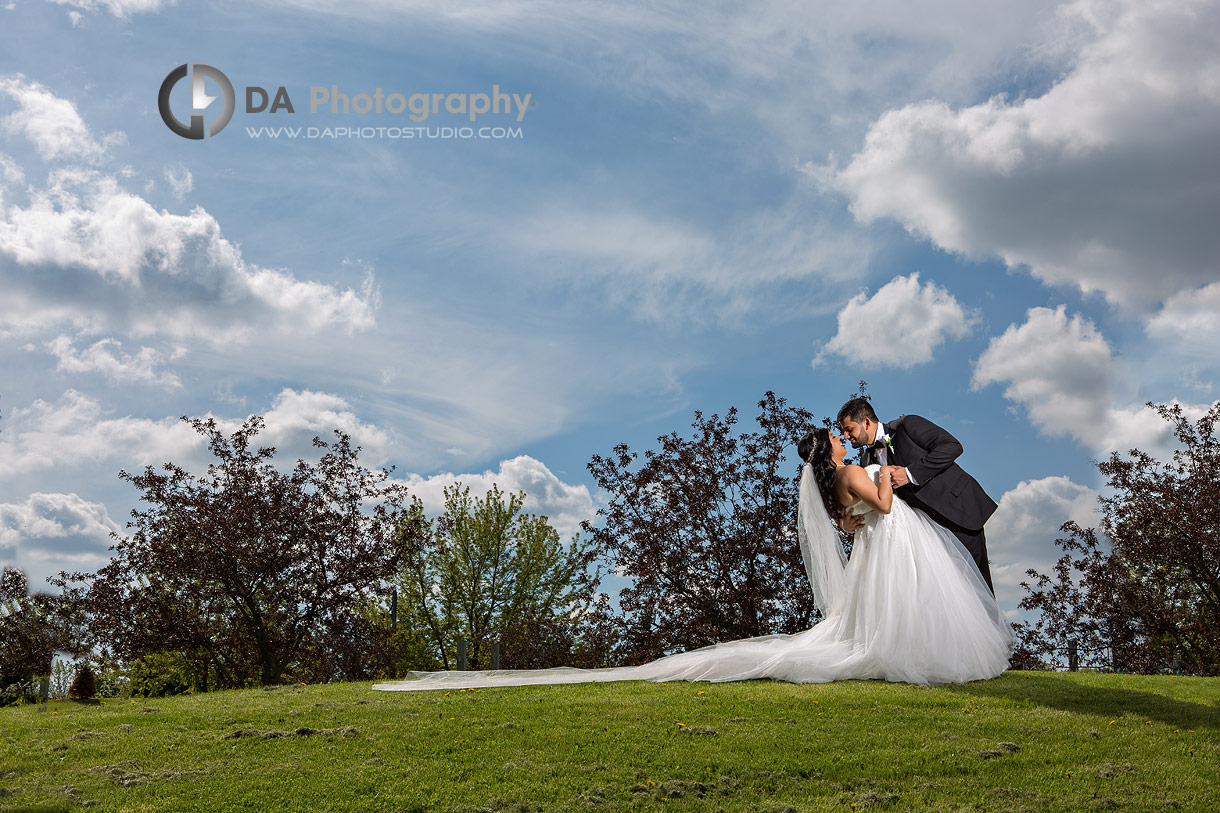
[(898, 475), (850, 522)]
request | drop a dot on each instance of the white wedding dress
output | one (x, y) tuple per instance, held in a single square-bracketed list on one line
[(909, 606)]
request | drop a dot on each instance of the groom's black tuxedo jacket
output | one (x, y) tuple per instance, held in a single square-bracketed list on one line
[(945, 490)]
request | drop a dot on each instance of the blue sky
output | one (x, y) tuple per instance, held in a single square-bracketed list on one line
[(1002, 216)]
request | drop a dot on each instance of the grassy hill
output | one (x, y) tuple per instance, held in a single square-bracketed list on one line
[(1026, 741)]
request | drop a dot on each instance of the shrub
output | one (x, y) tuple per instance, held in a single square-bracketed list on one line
[(20, 692), (111, 679), (84, 686), (160, 674)]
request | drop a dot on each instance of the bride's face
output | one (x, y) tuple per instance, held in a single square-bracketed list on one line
[(838, 449)]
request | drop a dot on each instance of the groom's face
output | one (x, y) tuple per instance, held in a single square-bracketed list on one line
[(861, 434)]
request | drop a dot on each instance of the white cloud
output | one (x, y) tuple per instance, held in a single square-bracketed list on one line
[(119, 8), (84, 251), (1059, 369), (10, 175), (667, 269), (51, 123), (1063, 373), (50, 532), (295, 418), (1139, 427), (1190, 321), (1184, 335), (899, 326), (1107, 181), (107, 260), (764, 74), (180, 181), (316, 305), (105, 357), (780, 63), (57, 516), (1021, 534), (564, 504), (74, 432)]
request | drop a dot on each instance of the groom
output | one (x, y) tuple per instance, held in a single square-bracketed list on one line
[(928, 478)]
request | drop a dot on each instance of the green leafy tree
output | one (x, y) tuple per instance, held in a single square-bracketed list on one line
[(486, 569)]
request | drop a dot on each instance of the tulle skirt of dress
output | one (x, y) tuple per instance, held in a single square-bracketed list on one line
[(916, 610)]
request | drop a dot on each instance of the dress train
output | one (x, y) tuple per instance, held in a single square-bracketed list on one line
[(910, 606)]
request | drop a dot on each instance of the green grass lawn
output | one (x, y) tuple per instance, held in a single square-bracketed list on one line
[(1026, 741)]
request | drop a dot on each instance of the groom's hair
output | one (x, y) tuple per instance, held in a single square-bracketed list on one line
[(857, 409)]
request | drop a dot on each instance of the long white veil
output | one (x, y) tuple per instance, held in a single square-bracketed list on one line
[(928, 618), (820, 546)]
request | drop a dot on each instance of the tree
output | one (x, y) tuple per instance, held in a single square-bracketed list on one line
[(30, 632), (487, 569), (84, 685), (1147, 590), (589, 640), (248, 571), (706, 527)]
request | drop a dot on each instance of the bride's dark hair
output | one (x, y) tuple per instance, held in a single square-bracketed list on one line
[(815, 449)]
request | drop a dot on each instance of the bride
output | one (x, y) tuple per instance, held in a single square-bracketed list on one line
[(909, 605)]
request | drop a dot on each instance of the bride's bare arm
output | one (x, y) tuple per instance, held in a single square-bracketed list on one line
[(879, 495)]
